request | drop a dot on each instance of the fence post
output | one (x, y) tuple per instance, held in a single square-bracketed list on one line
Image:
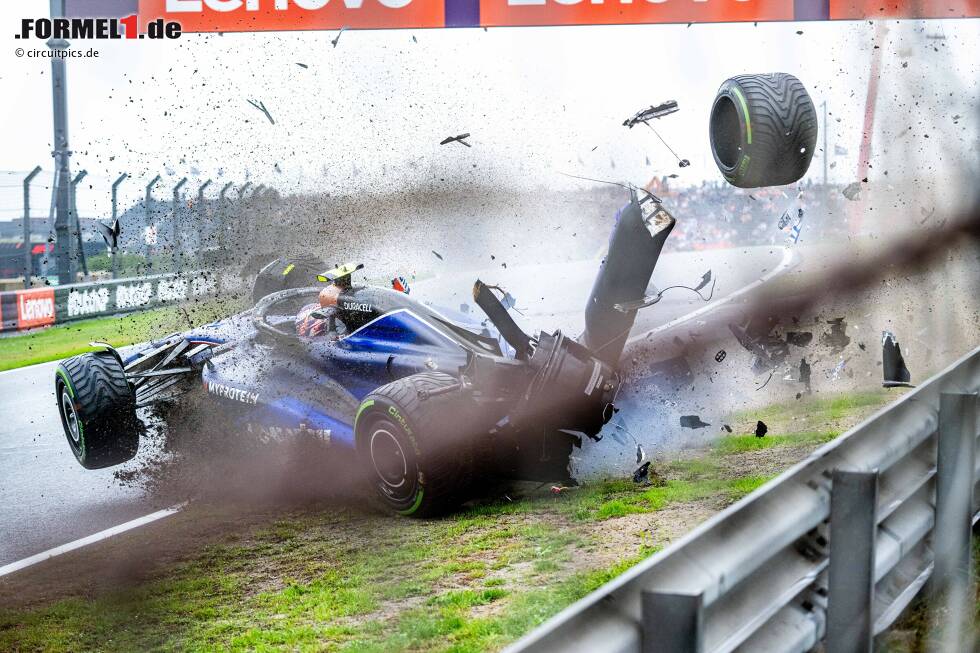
[(853, 527), (174, 232), (146, 212), (672, 623), (73, 208), (28, 245), (223, 219), (115, 216)]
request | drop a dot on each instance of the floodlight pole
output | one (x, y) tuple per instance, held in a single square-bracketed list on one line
[(113, 251), (61, 154), (28, 256), (826, 154)]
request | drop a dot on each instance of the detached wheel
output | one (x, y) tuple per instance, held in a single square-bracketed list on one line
[(98, 409), (286, 272), (418, 451), (763, 130)]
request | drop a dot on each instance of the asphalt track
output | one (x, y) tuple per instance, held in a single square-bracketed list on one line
[(47, 500)]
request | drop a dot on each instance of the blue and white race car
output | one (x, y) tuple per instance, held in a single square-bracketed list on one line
[(427, 400)]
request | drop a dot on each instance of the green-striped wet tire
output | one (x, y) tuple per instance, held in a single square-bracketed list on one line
[(98, 409), (763, 130), (418, 451)]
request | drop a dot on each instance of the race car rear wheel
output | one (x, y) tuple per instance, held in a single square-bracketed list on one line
[(415, 438), (763, 130), (98, 409), (286, 272)]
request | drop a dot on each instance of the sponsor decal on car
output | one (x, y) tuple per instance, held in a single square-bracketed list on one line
[(87, 302), (267, 433), (35, 308), (235, 394), (357, 306)]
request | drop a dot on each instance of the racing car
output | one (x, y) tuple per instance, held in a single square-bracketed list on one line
[(427, 399)]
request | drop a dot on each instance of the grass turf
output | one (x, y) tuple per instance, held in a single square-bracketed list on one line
[(63, 340), (329, 580)]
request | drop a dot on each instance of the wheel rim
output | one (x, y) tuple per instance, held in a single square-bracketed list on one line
[(70, 416), (393, 463), (388, 458)]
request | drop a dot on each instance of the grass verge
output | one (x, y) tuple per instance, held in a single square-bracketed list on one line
[(336, 579), (63, 340)]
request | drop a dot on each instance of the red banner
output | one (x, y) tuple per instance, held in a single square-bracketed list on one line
[(273, 15), (555, 12), (266, 15), (35, 308)]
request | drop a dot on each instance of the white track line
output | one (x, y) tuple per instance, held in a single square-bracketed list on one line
[(784, 264), (85, 541)]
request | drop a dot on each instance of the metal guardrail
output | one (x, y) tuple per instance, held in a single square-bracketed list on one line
[(830, 552)]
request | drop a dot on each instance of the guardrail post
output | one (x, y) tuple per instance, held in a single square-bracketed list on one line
[(955, 463), (672, 623), (853, 527)]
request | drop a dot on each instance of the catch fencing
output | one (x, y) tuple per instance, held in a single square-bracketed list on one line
[(829, 553), (36, 307)]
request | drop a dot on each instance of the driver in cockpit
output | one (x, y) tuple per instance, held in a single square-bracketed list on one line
[(325, 321)]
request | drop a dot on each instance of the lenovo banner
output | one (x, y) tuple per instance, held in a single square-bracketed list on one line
[(263, 15)]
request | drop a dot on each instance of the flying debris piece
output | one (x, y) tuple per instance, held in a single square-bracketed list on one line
[(862, 347), (672, 175), (837, 338), (783, 220), (852, 191), (896, 374), (109, 233), (799, 338), (302, 65), (838, 369), (258, 104), (761, 429), (683, 163), (705, 278), (768, 379), (640, 454), (805, 374), (642, 474), (659, 111), (692, 422), (726, 427), (401, 285), (720, 356), (756, 336), (438, 255), (461, 138), (336, 40)]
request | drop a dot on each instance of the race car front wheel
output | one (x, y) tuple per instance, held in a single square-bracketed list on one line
[(98, 409), (763, 130), (415, 441)]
